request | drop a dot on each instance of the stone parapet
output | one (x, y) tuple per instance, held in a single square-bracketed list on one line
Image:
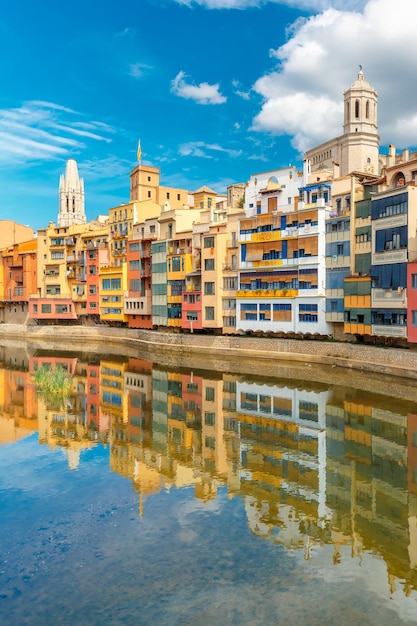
[(358, 357)]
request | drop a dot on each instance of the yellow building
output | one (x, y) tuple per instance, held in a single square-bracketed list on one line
[(144, 185), (61, 284), (113, 285), (121, 220)]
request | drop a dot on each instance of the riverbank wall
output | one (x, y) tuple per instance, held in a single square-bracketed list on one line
[(356, 357)]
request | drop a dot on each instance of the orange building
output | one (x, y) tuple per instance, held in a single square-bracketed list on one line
[(19, 269)]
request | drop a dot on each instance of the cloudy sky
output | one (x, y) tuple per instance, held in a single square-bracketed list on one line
[(216, 90)]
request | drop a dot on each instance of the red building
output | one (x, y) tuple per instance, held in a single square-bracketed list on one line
[(138, 303), (192, 315)]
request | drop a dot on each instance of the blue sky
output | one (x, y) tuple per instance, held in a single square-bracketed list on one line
[(215, 90)]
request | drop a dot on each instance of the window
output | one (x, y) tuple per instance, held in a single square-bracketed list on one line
[(57, 255), (152, 229), (178, 196), (230, 283), (53, 290), (391, 239), (209, 418), (414, 318), (414, 281), (35, 308), (192, 316), (264, 312), (209, 264), (282, 313), (210, 394), (46, 308), (229, 304), (209, 289), (149, 194), (209, 313), (134, 265), (307, 313), (92, 270), (111, 283), (210, 442), (61, 308), (209, 242), (333, 305), (92, 289)]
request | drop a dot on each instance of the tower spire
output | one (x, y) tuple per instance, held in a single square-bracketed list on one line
[(71, 196)]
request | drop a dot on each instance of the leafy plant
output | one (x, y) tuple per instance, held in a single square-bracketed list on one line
[(53, 386)]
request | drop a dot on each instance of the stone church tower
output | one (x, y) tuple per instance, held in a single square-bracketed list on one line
[(357, 150), (360, 139), (71, 197)]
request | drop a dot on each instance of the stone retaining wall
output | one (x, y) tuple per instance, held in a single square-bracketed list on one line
[(394, 362)]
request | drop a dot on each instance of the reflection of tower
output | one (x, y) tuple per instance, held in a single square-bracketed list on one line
[(71, 197)]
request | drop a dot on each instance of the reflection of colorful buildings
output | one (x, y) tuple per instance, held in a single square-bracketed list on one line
[(18, 405), (313, 465), (370, 482)]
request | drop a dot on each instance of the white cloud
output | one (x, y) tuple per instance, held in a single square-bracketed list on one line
[(106, 169), (206, 151), (238, 90), (303, 98), (311, 6), (126, 32), (39, 131), (202, 93), (137, 70)]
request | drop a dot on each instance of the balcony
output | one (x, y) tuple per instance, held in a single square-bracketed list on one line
[(389, 256), (141, 305), (388, 298), (267, 293), (17, 276), (307, 229), (388, 331)]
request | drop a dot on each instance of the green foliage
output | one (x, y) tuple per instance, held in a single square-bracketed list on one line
[(53, 385)]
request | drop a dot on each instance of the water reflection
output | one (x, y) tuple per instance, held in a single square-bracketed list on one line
[(315, 465)]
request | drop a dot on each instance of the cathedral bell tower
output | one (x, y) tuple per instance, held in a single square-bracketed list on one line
[(360, 140), (71, 197)]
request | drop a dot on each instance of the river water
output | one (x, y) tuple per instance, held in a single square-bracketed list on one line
[(155, 494)]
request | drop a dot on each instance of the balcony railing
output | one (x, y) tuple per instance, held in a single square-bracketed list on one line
[(386, 298), (267, 293), (389, 331)]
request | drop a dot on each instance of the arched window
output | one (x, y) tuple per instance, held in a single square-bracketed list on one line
[(399, 180), (347, 111), (356, 109), (367, 110)]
